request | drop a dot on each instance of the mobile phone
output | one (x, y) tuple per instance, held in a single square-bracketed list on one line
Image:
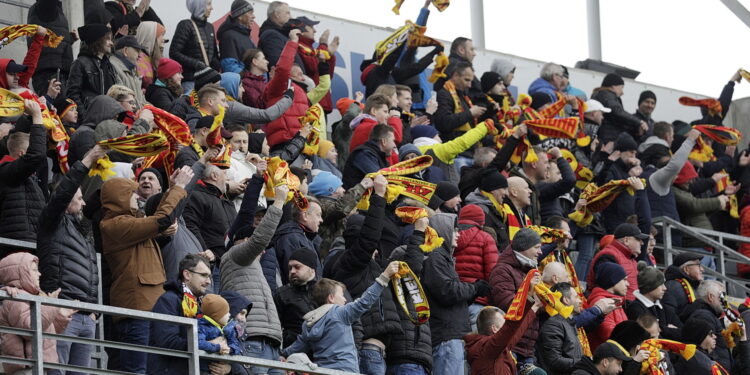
[(57, 75)]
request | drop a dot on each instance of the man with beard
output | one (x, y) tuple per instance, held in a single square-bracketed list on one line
[(149, 183), (293, 300), (66, 260)]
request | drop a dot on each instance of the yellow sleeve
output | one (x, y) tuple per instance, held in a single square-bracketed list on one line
[(319, 92), (448, 151)]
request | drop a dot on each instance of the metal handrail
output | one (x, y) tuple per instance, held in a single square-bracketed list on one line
[(193, 355)]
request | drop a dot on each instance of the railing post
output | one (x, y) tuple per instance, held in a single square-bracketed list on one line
[(722, 269), (192, 341), (667, 231), (37, 340)]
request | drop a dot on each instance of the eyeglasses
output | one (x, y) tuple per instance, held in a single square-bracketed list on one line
[(695, 264), (203, 275)]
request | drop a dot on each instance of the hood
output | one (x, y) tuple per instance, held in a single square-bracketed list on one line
[(146, 35), (363, 117), (474, 344), (587, 365), (15, 271), (444, 224), (467, 237), (230, 24), (237, 302), (354, 225), (197, 8), (540, 84), (100, 108), (314, 333), (475, 197), (502, 67), (425, 141), (231, 82), (650, 141), (116, 194), (109, 129), (3, 66)]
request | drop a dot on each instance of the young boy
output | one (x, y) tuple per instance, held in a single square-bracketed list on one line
[(327, 330), (215, 323)]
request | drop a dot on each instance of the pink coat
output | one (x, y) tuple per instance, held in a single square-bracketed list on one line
[(15, 271)]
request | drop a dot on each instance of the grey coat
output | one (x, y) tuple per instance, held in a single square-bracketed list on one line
[(241, 272)]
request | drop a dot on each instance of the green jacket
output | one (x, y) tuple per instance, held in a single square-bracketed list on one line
[(694, 212)]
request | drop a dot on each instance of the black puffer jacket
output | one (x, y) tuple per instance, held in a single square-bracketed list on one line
[(186, 49), (357, 269), (234, 40), (618, 120), (49, 13), (66, 259), (21, 197), (160, 96), (89, 77), (272, 40), (558, 343), (415, 345), (208, 214), (675, 299)]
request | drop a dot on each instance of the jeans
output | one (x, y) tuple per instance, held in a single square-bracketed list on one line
[(448, 358), (81, 325), (371, 361), (215, 280), (474, 310), (262, 349), (462, 161), (406, 369), (133, 331), (586, 244)]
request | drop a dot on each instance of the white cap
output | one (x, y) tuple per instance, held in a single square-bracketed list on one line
[(594, 105)]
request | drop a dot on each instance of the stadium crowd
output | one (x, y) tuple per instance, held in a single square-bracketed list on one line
[(414, 235)]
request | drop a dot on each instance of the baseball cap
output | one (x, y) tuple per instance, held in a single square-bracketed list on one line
[(594, 105), (14, 67), (128, 41), (629, 230), (611, 349), (307, 21)]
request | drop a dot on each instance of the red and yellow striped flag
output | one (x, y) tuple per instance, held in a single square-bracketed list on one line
[(599, 198), (11, 33)]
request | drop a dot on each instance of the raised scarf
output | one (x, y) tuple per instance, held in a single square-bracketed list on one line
[(410, 215), (405, 278)]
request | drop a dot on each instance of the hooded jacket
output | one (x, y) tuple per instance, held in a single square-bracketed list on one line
[(15, 271), (449, 297), (89, 76), (67, 259), (101, 108), (129, 244), (30, 61), (476, 253), (234, 40), (505, 279), (186, 49), (492, 219), (21, 197)]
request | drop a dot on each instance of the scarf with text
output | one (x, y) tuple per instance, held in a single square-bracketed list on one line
[(406, 279)]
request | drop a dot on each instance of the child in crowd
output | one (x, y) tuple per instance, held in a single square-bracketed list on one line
[(215, 323)]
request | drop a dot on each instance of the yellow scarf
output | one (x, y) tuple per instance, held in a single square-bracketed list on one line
[(278, 173), (10, 33), (406, 278), (403, 168), (410, 215)]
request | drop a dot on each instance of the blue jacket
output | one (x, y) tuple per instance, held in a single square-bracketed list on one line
[(170, 336), (289, 238), (541, 85), (327, 332), (208, 332)]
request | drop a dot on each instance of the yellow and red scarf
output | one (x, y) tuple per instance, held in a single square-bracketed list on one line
[(406, 278), (403, 168), (177, 133), (11, 33), (712, 105), (410, 215), (189, 303), (138, 145), (278, 173), (599, 198), (11, 104), (688, 290), (654, 346), (457, 107)]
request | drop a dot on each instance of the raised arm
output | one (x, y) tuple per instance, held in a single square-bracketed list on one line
[(246, 253)]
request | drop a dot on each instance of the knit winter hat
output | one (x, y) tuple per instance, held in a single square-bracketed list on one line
[(408, 149), (492, 179), (446, 190), (423, 131), (214, 306), (63, 104), (625, 142), (629, 334), (206, 76), (687, 174), (489, 80), (695, 330), (240, 7), (471, 214), (306, 257), (612, 80), (324, 184), (649, 278), (608, 274), (167, 68), (156, 173), (539, 99), (525, 239), (647, 94), (323, 148)]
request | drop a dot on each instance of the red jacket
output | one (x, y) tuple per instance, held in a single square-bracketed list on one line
[(362, 130), (310, 61), (602, 333), (744, 269), (624, 257), (288, 125), (476, 253), (31, 60), (506, 278), (490, 355), (254, 87)]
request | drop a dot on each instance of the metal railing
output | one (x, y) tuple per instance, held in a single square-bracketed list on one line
[(192, 355), (723, 254)]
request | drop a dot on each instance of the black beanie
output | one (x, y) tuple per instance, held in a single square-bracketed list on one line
[(240, 7), (695, 330), (629, 334), (92, 32), (245, 231), (446, 190), (625, 142), (489, 80), (648, 94), (653, 154), (539, 99), (206, 76), (155, 172), (306, 257), (492, 179), (612, 80), (608, 274)]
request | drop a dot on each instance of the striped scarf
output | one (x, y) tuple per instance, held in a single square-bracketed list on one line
[(410, 215), (11, 33)]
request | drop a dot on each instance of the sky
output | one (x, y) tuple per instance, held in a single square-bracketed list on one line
[(689, 45)]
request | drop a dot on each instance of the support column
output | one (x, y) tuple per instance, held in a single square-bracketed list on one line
[(74, 12), (594, 29), (477, 23)]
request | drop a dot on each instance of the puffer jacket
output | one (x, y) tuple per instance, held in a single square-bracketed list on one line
[(492, 219), (89, 77), (186, 50), (560, 348), (288, 125), (208, 214), (356, 268), (15, 271), (618, 120), (675, 298), (234, 40), (622, 256), (67, 259), (254, 87), (449, 297), (21, 197), (602, 332), (506, 278), (415, 345), (241, 272), (272, 40), (129, 244), (476, 253)]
